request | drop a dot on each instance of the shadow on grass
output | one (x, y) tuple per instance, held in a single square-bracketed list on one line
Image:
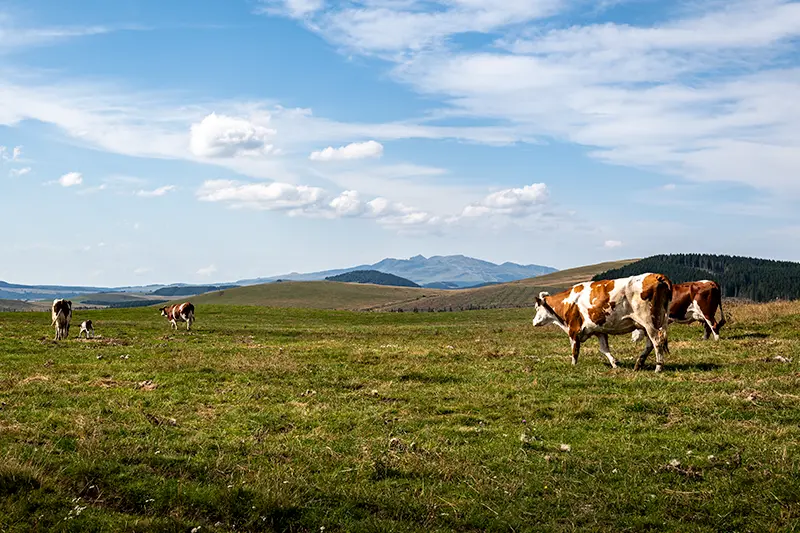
[(670, 367), (754, 335)]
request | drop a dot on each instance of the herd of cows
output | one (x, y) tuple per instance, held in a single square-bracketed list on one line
[(642, 305)]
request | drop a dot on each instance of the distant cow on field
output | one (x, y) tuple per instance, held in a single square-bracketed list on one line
[(61, 314), (87, 329), (616, 307), (696, 301), (179, 313)]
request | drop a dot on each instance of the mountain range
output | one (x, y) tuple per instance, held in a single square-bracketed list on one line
[(450, 272), (439, 271)]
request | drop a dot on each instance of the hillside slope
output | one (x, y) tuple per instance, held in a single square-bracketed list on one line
[(352, 296), (317, 295), (739, 277)]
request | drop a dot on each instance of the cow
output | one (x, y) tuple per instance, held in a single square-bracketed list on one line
[(61, 315), (86, 328), (611, 307), (179, 313), (696, 301)]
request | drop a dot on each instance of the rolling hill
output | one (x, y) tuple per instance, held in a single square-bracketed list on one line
[(374, 277), (352, 296), (317, 295)]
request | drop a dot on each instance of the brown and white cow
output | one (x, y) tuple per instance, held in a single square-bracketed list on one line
[(179, 313), (611, 307), (61, 315), (696, 301)]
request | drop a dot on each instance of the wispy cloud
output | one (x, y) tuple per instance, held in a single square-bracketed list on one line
[(207, 271), (160, 191), (706, 94), (17, 172)]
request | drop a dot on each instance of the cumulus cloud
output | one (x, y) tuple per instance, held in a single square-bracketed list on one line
[(273, 196), (612, 244), (514, 202), (223, 136), (207, 271), (303, 200), (17, 172), (161, 191), (71, 179), (351, 151)]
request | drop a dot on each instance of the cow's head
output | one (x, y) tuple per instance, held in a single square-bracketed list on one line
[(163, 311), (544, 314)]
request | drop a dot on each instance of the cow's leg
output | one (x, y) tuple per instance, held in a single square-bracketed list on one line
[(648, 347), (174, 324), (707, 332), (576, 350), (605, 350)]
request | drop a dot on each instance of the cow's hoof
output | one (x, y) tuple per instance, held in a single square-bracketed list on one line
[(658, 368)]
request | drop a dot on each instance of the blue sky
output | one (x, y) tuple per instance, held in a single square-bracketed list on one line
[(203, 141)]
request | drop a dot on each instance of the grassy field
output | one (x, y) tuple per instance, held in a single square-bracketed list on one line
[(308, 420)]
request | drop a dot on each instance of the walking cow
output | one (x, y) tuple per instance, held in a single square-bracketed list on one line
[(611, 307)]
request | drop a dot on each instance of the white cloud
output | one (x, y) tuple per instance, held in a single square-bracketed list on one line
[(273, 196), (224, 136), (14, 36), (514, 202), (207, 271), (387, 26), (161, 191), (302, 200), (16, 172), (142, 270), (351, 151), (292, 8), (10, 156), (71, 179), (612, 244)]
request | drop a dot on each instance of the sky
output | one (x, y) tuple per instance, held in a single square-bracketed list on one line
[(204, 141)]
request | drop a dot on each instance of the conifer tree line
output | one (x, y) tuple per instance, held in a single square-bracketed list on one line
[(748, 278)]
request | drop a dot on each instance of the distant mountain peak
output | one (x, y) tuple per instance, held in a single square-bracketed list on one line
[(456, 270)]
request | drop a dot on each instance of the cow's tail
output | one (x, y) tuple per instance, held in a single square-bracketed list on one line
[(718, 293), (662, 297)]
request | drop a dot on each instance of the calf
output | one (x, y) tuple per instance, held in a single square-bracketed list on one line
[(86, 328), (179, 313), (611, 307), (61, 315), (696, 301)]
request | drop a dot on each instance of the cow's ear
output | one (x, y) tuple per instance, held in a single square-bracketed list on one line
[(543, 295)]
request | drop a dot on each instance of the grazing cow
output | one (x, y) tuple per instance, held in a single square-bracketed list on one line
[(86, 328), (61, 314), (696, 301), (614, 306), (179, 313)]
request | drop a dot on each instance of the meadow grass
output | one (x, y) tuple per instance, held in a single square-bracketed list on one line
[(296, 420)]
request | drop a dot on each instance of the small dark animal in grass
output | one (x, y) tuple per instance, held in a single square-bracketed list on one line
[(61, 315), (87, 329), (179, 313), (696, 301), (615, 307)]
